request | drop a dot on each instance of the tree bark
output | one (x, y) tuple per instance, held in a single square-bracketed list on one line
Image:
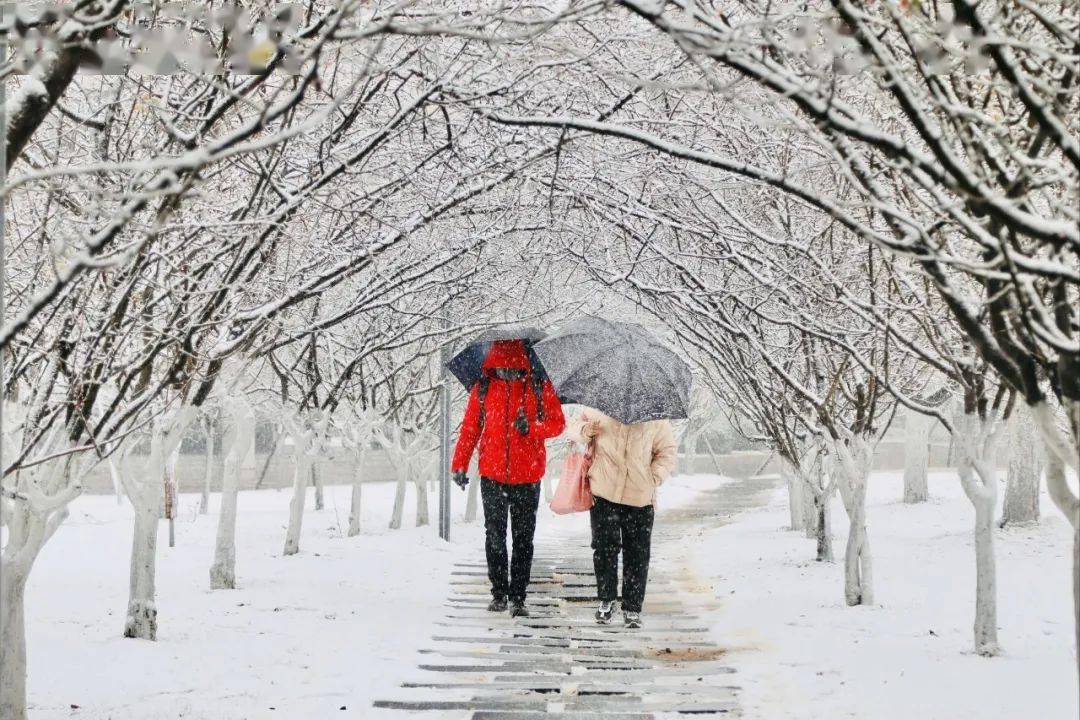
[(237, 443), (423, 515), (822, 528), (854, 465), (858, 581), (223, 569), (1066, 501), (810, 512), (269, 457), (916, 457), (399, 501), (12, 642), (975, 439), (30, 109), (986, 639), (796, 496), (296, 505), (211, 440), (316, 481), (355, 500), (141, 621), (1021, 502)]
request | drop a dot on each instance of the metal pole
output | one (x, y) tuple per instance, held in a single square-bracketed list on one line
[(444, 444)]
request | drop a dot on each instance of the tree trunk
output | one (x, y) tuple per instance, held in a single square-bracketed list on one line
[(810, 511), (822, 528), (986, 640), (796, 496), (546, 486), (141, 621), (399, 502), (223, 570), (916, 457), (423, 515), (975, 439), (1021, 503), (204, 501), (1076, 589), (296, 505), (1066, 501), (12, 643), (266, 463), (316, 480), (472, 501), (355, 505), (854, 465), (858, 581)]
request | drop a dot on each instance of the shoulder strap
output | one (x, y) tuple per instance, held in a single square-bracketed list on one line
[(538, 390), (481, 395)]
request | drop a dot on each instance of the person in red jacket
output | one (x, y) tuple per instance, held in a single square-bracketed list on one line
[(511, 412)]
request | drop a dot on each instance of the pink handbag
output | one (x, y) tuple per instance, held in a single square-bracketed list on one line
[(573, 493)]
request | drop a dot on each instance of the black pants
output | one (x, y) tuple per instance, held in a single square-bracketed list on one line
[(615, 527), (520, 502)]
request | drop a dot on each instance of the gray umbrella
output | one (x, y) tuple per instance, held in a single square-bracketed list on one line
[(618, 368)]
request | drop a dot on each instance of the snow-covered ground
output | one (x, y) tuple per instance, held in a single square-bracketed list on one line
[(802, 654), (302, 637), (339, 624)]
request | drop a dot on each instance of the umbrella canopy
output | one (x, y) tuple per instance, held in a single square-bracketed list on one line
[(618, 368), (467, 365)]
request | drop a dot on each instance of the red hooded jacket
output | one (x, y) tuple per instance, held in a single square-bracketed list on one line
[(506, 455)]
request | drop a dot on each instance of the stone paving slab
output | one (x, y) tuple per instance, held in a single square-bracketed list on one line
[(559, 664)]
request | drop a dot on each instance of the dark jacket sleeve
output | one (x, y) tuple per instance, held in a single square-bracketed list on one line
[(553, 423), (469, 434)]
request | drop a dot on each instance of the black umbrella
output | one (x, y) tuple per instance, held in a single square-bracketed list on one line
[(467, 365), (618, 368)]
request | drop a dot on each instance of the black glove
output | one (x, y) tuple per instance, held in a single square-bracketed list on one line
[(461, 479), (521, 423)]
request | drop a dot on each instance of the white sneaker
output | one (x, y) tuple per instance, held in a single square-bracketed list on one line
[(605, 612), (632, 619)]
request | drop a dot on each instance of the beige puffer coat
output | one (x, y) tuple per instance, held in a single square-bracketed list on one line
[(629, 461)]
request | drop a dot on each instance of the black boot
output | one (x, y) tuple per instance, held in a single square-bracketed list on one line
[(518, 609), (497, 604)]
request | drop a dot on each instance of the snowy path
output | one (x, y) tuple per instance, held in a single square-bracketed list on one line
[(559, 663)]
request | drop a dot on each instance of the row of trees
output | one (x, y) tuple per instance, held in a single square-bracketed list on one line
[(843, 211), (307, 236)]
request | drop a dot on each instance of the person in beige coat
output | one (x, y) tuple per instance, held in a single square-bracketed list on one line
[(629, 463)]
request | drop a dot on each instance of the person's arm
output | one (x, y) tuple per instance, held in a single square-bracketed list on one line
[(575, 427), (554, 421), (664, 453), (469, 434)]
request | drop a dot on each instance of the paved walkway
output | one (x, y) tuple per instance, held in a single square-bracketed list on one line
[(560, 665)]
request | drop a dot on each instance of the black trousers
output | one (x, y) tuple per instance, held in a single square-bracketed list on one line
[(520, 503), (614, 527)]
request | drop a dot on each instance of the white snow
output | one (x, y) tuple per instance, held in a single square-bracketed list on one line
[(336, 625), (305, 635), (802, 654), (339, 624)]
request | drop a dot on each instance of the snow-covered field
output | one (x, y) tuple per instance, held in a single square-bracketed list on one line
[(802, 654), (339, 625), (302, 637)]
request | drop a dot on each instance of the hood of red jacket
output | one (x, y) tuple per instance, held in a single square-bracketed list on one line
[(507, 354)]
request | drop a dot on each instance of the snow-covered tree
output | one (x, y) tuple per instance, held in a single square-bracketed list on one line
[(143, 479), (237, 443)]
